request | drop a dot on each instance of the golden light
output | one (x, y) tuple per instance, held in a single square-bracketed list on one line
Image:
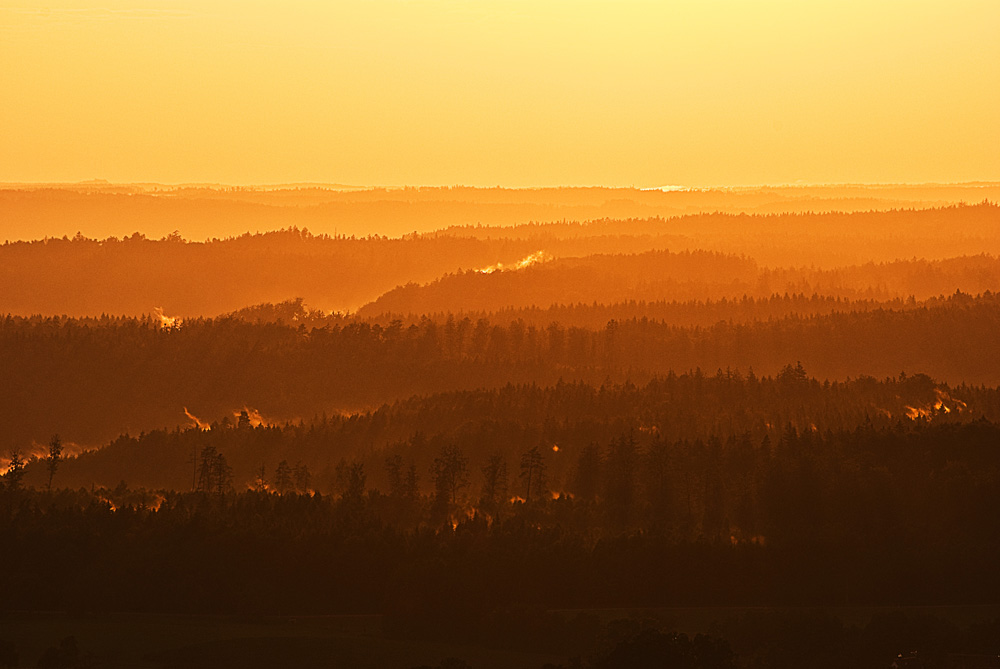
[(166, 322), (197, 422), (511, 92), (527, 261), (254, 416)]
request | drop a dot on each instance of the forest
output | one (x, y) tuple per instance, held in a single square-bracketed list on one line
[(499, 334), (93, 379), (205, 211), (903, 514), (885, 254), (697, 434), (569, 416)]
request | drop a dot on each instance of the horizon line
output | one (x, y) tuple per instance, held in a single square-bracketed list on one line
[(103, 183)]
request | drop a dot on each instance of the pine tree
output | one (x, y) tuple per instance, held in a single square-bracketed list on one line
[(494, 492), (15, 471), (303, 478), (283, 481), (451, 475), (55, 457), (532, 472)]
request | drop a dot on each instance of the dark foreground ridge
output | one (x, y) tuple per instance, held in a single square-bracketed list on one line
[(861, 517)]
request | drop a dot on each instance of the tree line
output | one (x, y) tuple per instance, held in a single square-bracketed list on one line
[(895, 515), (113, 375), (516, 418), (681, 276)]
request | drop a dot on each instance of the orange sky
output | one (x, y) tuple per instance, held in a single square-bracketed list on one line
[(511, 92)]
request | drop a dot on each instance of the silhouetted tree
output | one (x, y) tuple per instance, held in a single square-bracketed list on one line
[(303, 479), (356, 479), (394, 472), (54, 458), (793, 375), (356, 513), (587, 473), (411, 486), (340, 475), (494, 492), (215, 474), (260, 479), (15, 471), (620, 484), (451, 475), (206, 468), (283, 481), (657, 478), (713, 493), (532, 472)]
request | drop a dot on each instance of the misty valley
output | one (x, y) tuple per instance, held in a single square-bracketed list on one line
[(683, 429)]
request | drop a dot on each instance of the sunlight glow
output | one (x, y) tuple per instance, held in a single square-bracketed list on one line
[(511, 92)]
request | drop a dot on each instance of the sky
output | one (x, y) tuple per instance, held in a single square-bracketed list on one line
[(500, 92)]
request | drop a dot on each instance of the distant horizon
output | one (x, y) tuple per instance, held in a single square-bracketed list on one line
[(99, 209), (333, 185)]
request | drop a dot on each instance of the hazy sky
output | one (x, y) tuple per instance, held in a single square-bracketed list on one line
[(486, 92)]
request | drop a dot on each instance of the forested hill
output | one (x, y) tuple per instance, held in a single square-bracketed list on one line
[(884, 516), (703, 313), (133, 274), (91, 380), (561, 421), (202, 211), (659, 276)]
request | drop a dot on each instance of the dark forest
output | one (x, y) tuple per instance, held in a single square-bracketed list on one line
[(559, 444)]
